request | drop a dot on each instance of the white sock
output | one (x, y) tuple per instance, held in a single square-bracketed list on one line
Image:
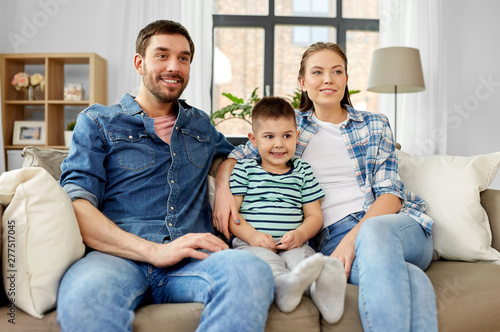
[(291, 286), (328, 292)]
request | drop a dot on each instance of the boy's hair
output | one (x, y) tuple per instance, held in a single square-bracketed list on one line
[(271, 108), (161, 27)]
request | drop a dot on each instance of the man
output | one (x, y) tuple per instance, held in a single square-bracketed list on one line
[(136, 174)]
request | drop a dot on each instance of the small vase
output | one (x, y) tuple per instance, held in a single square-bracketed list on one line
[(68, 134), (24, 93), (38, 93), (31, 93)]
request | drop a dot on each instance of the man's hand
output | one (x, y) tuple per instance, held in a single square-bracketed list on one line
[(169, 254), (292, 239)]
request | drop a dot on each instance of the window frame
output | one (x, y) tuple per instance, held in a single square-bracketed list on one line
[(268, 23)]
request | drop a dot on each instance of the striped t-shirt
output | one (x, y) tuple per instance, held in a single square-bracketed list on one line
[(272, 203)]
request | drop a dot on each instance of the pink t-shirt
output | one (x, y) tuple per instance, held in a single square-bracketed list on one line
[(164, 125)]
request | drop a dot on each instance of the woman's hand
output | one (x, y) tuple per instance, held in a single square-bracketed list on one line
[(225, 209), (345, 251)]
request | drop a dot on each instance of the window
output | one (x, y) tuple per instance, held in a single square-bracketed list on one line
[(259, 44)]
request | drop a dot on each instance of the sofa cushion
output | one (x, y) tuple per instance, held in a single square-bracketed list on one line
[(40, 238), (450, 187), (350, 321), (490, 200), (185, 317), (467, 295), (179, 317), (49, 159)]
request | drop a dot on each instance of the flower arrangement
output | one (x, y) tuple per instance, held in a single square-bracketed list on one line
[(21, 81), (28, 84), (37, 79)]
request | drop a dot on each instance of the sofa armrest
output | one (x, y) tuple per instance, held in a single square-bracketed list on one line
[(490, 199)]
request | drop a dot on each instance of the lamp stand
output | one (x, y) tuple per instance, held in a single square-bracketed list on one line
[(395, 113)]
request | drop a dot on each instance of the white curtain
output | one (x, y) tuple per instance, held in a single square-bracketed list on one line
[(195, 15), (422, 115)]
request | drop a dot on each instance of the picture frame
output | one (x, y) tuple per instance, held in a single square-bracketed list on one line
[(29, 133)]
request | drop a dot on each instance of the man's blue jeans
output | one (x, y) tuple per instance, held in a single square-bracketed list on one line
[(392, 252), (100, 291)]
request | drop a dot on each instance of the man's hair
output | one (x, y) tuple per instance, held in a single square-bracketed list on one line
[(161, 27), (271, 108)]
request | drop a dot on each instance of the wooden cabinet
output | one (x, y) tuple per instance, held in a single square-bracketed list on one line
[(58, 69)]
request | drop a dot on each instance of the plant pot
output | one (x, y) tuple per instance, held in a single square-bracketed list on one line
[(67, 137)]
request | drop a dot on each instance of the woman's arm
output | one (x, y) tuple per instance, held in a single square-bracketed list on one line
[(225, 208), (384, 204)]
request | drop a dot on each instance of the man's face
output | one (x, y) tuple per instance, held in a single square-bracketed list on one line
[(166, 66)]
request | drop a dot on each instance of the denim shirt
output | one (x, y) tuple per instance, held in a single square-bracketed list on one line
[(147, 187), (368, 139)]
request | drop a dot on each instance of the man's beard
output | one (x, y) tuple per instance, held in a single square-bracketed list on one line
[(157, 90)]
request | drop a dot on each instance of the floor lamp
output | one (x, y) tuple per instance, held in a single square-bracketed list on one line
[(396, 70)]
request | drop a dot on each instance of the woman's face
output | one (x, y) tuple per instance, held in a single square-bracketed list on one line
[(324, 79)]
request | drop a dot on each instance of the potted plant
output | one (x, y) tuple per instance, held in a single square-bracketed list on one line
[(68, 133), (241, 109)]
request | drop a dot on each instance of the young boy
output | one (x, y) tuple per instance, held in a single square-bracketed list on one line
[(278, 200)]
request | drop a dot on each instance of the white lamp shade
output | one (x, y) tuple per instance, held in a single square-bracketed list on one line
[(396, 67)]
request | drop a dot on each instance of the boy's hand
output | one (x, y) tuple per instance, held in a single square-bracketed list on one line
[(263, 240), (292, 239)]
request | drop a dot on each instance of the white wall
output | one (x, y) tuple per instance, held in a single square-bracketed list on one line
[(473, 68), (42, 26)]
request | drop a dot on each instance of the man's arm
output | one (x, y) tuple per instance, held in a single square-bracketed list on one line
[(102, 234)]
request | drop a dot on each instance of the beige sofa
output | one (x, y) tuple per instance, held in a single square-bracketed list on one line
[(468, 297)]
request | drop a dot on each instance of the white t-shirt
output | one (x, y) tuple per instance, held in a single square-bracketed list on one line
[(329, 159)]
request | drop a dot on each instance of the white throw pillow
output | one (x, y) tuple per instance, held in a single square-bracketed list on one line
[(450, 187), (40, 238)]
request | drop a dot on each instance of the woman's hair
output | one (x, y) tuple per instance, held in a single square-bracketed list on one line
[(305, 102), (161, 27)]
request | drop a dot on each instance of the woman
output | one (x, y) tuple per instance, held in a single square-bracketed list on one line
[(374, 226)]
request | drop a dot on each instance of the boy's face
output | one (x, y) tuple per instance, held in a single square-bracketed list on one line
[(276, 141)]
